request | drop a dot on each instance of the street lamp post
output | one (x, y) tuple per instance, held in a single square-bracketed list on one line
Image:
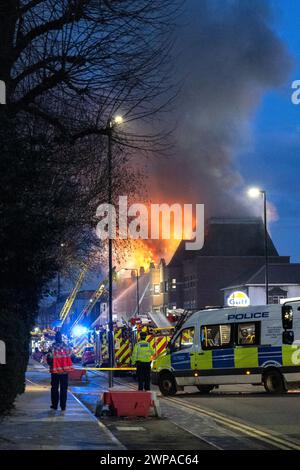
[(110, 263), (109, 131), (255, 193)]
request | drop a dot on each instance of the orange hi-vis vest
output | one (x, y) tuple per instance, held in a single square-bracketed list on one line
[(62, 362)]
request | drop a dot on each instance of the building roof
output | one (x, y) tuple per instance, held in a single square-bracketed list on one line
[(279, 274), (229, 237)]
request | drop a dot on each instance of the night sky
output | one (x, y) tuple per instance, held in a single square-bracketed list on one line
[(272, 162)]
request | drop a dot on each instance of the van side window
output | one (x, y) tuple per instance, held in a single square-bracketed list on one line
[(247, 333), (185, 339), (216, 336)]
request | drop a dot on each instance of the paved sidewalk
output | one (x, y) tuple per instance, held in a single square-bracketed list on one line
[(33, 426)]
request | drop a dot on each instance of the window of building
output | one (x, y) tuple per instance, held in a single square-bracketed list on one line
[(275, 299), (276, 294), (156, 289), (216, 336), (247, 334), (189, 281), (185, 339)]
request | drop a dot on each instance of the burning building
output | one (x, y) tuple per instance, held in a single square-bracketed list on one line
[(142, 293)]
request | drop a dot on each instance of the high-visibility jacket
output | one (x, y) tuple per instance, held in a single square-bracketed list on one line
[(142, 352), (59, 359)]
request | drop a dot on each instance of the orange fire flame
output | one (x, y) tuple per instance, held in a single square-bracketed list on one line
[(140, 255), (144, 252)]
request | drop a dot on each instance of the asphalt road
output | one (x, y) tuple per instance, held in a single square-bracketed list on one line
[(138, 433), (277, 416), (232, 417)]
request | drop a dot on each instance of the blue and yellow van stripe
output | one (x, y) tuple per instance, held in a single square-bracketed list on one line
[(241, 357)]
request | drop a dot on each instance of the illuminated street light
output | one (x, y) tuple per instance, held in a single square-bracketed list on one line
[(255, 193), (118, 120)]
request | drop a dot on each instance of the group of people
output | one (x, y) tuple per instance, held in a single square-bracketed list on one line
[(59, 359)]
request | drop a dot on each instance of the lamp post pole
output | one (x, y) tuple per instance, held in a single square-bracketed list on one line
[(110, 261), (266, 247), (255, 193), (108, 131)]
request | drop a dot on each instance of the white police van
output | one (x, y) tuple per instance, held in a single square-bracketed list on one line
[(241, 345)]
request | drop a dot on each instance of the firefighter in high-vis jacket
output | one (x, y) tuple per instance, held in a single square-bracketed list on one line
[(60, 363), (141, 357)]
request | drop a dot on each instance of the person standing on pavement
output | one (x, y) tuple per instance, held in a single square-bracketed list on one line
[(60, 362), (141, 357)]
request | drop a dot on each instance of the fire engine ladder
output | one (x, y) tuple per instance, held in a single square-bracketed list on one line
[(70, 300), (95, 297)]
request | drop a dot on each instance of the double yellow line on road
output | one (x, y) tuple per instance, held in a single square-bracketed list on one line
[(229, 422)]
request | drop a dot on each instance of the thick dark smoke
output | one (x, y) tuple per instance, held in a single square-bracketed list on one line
[(228, 57)]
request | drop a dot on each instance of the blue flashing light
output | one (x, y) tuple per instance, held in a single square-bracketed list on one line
[(79, 330)]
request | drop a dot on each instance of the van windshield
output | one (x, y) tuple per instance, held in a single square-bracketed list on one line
[(185, 339)]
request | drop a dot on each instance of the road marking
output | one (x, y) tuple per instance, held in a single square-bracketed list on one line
[(251, 431), (236, 425), (130, 428)]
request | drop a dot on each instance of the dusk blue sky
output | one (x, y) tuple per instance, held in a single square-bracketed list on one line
[(273, 160)]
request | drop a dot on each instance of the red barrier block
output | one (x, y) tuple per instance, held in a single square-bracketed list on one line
[(128, 403)]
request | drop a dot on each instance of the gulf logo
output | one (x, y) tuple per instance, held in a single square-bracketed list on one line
[(238, 299)]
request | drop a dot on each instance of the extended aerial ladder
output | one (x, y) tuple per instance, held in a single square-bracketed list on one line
[(70, 300), (101, 289), (97, 294)]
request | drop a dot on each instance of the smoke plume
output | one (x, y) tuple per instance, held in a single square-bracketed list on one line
[(228, 56)]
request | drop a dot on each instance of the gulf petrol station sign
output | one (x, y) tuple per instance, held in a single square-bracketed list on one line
[(238, 299)]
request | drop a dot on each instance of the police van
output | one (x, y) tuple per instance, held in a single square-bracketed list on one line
[(241, 345)]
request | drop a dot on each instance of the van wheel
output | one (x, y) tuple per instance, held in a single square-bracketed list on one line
[(167, 384), (273, 382), (205, 389)]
